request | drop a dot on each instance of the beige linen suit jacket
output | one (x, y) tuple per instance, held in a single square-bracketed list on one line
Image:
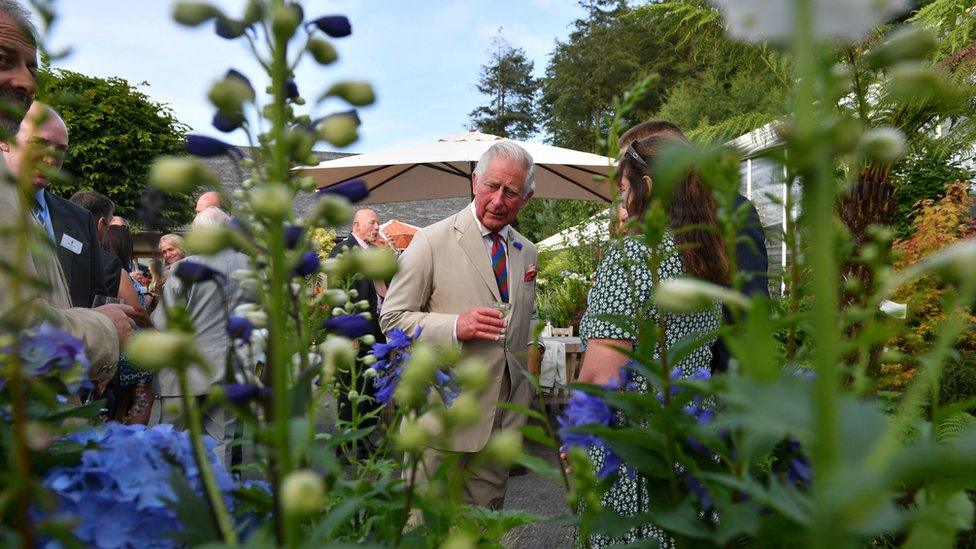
[(446, 271), (54, 301)]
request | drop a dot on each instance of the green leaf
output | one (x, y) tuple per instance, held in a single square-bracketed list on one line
[(538, 434)]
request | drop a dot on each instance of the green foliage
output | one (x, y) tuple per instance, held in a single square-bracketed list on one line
[(918, 178), (953, 20), (508, 82), (604, 56), (115, 132), (544, 217)]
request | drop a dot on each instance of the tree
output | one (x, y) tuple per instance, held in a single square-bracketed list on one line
[(508, 82), (115, 132)]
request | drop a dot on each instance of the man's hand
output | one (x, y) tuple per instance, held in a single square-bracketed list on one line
[(121, 317), (480, 323)]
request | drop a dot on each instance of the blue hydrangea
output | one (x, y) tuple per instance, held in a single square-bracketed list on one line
[(119, 489), (52, 352)]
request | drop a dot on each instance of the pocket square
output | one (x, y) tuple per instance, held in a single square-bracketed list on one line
[(530, 273)]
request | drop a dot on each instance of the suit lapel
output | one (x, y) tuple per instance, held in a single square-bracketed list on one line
[(473, 245)]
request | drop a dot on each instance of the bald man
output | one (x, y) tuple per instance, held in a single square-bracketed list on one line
[(71, 227), (365, 229), (209, 199)]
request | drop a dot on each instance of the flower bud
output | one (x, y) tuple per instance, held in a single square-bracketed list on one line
[(254, 11), (687, 295), (339, 129), (322, 51), (302, 492), (352, 395), (472, 374), (335, 297), (412, 436), (272, 201), (332, 210), (504, 446), (174, 174), (241, 274), (884, 144), (369, 360), (284, 20), (370, 373), (257, 317), (355, 93), (368, 339), (209, 240), (338, 352), (230, 94), (914, 83), (192, 14), (307, 184), (377, 264), (464, 411), (37, 436), (908, 43), (154, 350)]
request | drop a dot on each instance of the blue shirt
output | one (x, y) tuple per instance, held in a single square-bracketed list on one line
[(42, 213)]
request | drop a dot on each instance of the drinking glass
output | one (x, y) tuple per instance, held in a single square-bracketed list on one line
[(505, 309), (104, 300)]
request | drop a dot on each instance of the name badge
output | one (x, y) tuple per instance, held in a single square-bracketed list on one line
[(71, 244)]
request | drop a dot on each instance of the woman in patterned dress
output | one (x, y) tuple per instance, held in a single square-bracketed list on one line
[(624, 286)]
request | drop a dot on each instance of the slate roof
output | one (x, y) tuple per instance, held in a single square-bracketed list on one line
[(420, 213)]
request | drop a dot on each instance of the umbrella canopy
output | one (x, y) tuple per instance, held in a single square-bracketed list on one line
[(443, 170), (594, 229), (398, 233)]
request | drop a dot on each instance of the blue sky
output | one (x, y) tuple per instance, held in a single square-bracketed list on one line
[(422, 56)]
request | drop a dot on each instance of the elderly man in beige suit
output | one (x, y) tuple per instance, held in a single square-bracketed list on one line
[(102, 329), (447, 277)]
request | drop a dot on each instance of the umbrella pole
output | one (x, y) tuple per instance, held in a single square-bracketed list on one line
[(470, 181)]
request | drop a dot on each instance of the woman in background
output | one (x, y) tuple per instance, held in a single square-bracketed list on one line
[(623, 288), (132, 388)]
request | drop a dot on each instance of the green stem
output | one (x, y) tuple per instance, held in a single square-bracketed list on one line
[(411, 486), (216, 503), (814, 163)]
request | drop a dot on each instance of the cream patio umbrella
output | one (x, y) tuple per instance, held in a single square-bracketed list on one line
[(442, 169)]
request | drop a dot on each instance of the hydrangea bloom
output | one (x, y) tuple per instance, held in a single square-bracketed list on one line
[(51, 351), (119, 489)]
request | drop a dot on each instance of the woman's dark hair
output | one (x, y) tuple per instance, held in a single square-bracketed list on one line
[(692, 205), (118, 240)]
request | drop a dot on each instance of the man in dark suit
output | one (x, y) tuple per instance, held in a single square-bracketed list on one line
[(365, 228), (70, 227), (750, 245), (102, 209)]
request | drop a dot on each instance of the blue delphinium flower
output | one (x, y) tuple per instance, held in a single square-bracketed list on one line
[(354, 190), (240, 328), (234, 73), (291, 89), (336, 26), (191, 272), (308, 265), (351, 326), (201, 145), (699, 490), (586, 409), (390, 358), (242, 393), (796, 470), (446, 386), (49, 351), (293, 235), (227, 122), (119, 489), (228, 28)]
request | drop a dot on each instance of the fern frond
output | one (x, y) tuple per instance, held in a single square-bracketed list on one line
[(954, 21), (730, 128), (954, 425)]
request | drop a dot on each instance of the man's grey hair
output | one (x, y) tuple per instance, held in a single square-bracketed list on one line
[(211, 217), (510, 151), (21, 15)]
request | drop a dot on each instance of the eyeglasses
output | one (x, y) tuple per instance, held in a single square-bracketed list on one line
[(632, 152)]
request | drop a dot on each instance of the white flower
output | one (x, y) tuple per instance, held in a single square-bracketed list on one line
[(302, 492), (687, 295), (772, 20)]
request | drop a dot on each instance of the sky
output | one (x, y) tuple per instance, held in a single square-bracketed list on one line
[(422, 57)]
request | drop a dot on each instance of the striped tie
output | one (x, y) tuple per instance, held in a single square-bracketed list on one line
[(499, 264)]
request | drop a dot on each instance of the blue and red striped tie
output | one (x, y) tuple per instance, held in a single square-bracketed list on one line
[(499, 264)]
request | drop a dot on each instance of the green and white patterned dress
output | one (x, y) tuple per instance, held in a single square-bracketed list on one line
[(623, 287)]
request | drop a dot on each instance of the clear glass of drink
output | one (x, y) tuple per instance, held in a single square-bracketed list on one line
[(505, 309), (100, 300)]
